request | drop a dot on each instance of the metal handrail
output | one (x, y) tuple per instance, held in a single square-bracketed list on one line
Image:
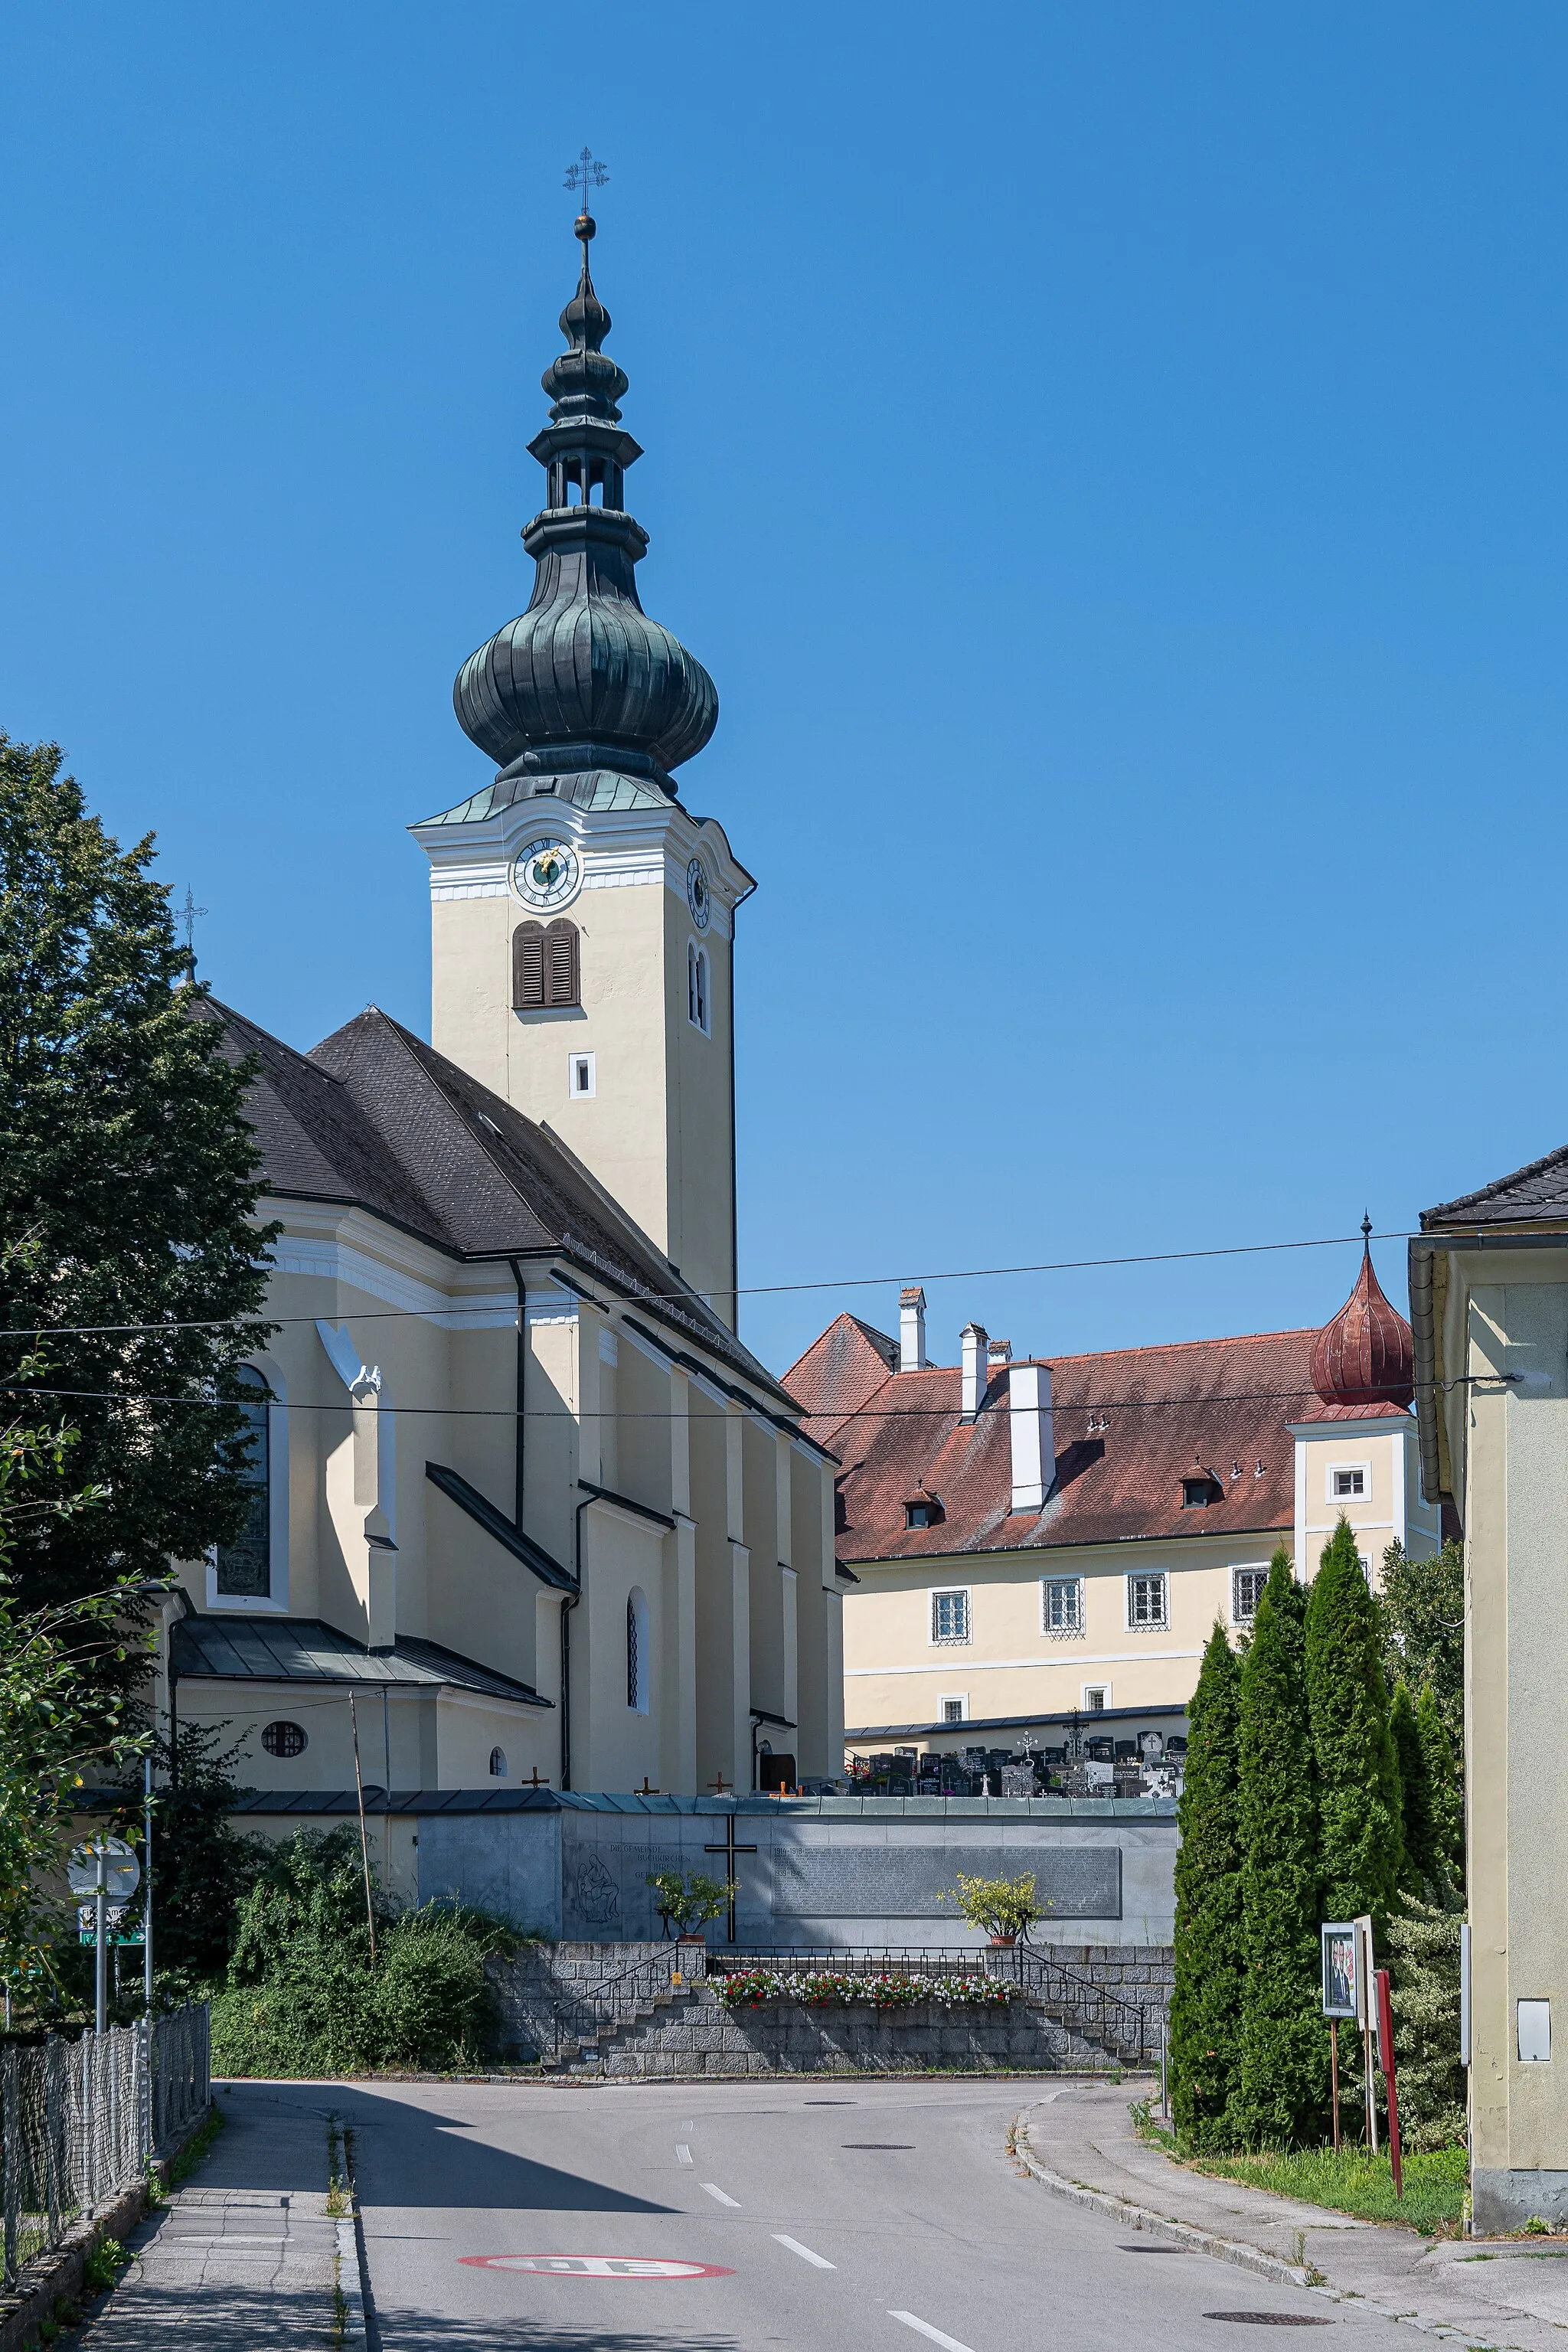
[(659, 1968)]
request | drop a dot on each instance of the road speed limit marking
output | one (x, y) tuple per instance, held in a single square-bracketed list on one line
[(635, 2266)]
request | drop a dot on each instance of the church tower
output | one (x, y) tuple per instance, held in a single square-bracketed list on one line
[(582, 920)]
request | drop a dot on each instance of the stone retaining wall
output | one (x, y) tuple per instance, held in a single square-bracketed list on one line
[(701, 2036)]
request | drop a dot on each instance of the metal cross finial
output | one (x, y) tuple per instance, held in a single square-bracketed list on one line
[(586, 174), (189, 914)]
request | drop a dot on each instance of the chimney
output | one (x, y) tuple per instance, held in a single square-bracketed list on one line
[(974, 1343), (912, 1331), (997, 1353), (1034, 1440)]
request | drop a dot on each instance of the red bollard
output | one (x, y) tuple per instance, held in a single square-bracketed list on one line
[(1385, 2041)]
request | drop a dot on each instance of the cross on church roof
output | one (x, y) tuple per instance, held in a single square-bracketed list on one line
[(587, 174), (189, 914)]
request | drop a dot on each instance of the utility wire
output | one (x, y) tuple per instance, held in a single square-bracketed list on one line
[(752, 1290)]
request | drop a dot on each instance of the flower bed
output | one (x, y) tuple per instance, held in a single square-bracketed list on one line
[(824, 1989)]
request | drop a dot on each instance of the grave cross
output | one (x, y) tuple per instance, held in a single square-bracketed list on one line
[(730, 1850)]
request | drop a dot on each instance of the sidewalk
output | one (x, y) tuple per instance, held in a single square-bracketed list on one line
[(1507, 2294), (244, 2256)]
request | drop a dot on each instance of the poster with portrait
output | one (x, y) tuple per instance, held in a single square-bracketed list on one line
[(1340, 1942)]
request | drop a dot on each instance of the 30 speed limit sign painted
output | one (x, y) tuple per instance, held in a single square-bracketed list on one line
[(615, 2266)]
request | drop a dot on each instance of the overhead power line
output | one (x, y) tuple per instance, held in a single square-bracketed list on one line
[(752, 1290)]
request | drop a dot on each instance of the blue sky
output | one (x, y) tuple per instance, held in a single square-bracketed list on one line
[(1110, 457)]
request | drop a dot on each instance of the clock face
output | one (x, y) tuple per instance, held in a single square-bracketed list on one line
[(697, 896), (546, 873)]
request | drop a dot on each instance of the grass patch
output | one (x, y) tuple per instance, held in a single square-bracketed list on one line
[(195, 2148), (1356, 2182)]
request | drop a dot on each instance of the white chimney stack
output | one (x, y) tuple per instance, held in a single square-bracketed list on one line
[(976, 1370), (912, 1331), (1033, 1437)]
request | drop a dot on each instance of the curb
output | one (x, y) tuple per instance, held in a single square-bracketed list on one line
[(351, 2281), (1142, 2217)]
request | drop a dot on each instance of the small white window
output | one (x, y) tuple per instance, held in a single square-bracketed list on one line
[(1095, 1697), (1247, 1588), (1349, 1481), (1061, 1605), (697, 988), (949, 1616), (581, 1078), (1145, 1602), (954, 1709)]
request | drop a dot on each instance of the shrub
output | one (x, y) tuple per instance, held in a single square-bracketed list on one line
[(689, 1899), (1003, 1906)]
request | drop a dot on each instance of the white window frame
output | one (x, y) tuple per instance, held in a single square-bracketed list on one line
[(1073, 1632), (1334, 1471), (1086, 1707), (1160, 1624), (1246, 1568), (952, 1641), (960, 1699), (575, 1060), (274, 1603), (699, 988)]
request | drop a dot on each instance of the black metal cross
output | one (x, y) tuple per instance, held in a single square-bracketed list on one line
[(586, 174), (730, 1850), (188, 915)]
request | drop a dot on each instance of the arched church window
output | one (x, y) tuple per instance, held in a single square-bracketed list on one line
[(245, 1564), (544, 970), (498, 1763), (637, 1650), (696, 987)]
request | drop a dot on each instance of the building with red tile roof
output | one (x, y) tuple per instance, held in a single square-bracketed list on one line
[(1038, 1538)]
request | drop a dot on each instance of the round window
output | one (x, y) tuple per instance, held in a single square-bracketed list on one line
[(283, 1739)]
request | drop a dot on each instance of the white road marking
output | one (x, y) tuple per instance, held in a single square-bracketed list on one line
[(805, 2251), (714, 2190), (925, 2328), (683, 2156)]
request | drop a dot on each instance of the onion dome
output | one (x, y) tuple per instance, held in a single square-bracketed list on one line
[(584, 678), (1366, 1355)]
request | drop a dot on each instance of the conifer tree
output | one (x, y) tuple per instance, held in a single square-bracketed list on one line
[(1421, 1870), (1284, 2074), (1424, 1951), (1361, 1826), (1444, 1785), (1206, 2001)]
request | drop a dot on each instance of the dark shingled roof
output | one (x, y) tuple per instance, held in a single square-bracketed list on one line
[(1217, 1405), (234, 1648), (375, 1117), (1534, 1195)]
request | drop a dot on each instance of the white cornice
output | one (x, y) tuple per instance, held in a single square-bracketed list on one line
[(618, 848)]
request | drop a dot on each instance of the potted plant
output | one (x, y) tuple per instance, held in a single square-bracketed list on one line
[(1005, 1908), (688, 1899)]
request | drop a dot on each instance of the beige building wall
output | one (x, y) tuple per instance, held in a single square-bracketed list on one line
[(1502, 1351)]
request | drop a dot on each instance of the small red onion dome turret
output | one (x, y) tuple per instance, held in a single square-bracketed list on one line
[(1365, 1356)]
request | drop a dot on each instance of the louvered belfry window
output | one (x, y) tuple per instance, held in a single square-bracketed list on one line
[(544, 966)]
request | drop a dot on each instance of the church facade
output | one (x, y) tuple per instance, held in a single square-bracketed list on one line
[(523, 1506)]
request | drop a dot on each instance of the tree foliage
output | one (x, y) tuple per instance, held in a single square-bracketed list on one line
[(128, 1187), (1445, 1788), (1418, 1834), (201, 1865), (1361, 1833), (1283, 2090), (1205, 2001), (1421, 1613), (1423, 1947)]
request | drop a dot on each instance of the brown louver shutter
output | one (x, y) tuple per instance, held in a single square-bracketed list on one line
[(528, 968), (561, 962)]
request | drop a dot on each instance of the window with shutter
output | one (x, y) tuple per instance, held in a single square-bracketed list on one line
[(561, 962), (528, 968)]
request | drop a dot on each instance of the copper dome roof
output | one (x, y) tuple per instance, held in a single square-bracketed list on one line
[(1365, 1356)]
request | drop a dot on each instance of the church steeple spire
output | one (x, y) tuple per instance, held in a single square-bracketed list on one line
[(584, 678)]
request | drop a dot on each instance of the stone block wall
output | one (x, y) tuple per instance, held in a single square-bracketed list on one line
[(785, 2037)]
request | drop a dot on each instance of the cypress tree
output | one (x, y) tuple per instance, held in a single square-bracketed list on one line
[(1415, 1793), (1206, 2002), (1444, 1783), (1362, 1831), (1284, 2075)]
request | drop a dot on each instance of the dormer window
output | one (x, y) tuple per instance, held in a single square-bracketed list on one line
[(1200, 1490), (923, 1511)]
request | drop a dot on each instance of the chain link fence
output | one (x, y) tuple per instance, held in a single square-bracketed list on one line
[(80, 2120)]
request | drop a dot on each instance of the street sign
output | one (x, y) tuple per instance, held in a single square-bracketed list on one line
[(121, 1871), (113, 1925), (636, 2266)]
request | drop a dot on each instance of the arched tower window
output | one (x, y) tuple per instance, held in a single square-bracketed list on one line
[(637, 1650), (544, 966), (696, 1003), (498, 1763), (245, 1566)]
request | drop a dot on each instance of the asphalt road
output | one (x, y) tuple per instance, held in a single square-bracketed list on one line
[(872, 2217)]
